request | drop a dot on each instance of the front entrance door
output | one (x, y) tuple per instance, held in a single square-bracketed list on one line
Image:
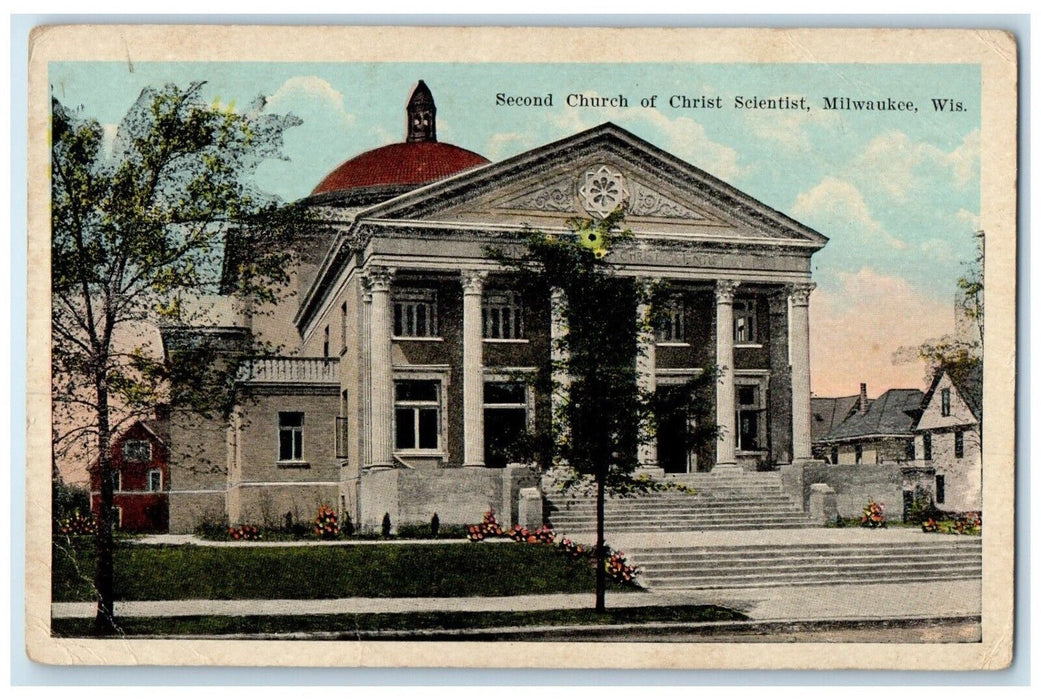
[(673, 456)]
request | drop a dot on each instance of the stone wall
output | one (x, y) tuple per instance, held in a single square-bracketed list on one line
[(459, 496), (855, 485)]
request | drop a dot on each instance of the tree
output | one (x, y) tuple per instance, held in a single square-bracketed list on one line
[(603, 415), (139, 228)]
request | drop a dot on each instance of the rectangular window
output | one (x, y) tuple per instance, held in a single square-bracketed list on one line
[(505, 421), (858, 454), (343, 326), (155, 480), (909, 449), (417, 414), (137, 451), (945, 402), (325, 343), (927, 446), (117, 481), (959, 444), (502, 316), (415, 313), (671, 328), (744, 321), (941, 488), (290, 436), (750, 423), (834, 455)]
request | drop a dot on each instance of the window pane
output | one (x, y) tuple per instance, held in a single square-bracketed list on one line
[(399, 328), (421, 321), (404, 429), (154, 481), (293, 419), (746, 395), (428, 428), (415, 390), (285, 444), (504, 392)]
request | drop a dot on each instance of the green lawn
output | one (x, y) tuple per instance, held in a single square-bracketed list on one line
[(349, 626), (373, 571)]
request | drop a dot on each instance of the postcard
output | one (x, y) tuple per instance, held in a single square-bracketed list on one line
[(521, 347)]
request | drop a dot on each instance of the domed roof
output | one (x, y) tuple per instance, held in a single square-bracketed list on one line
[(414, 163), (421, 159)]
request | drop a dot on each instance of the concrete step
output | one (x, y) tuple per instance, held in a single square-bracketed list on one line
[(661, 569), (838, 578)]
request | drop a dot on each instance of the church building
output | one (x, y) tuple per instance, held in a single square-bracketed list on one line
[(398, 391)]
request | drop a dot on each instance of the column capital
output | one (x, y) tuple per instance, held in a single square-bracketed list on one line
[(725, 290), (376, 278), (800, 292), (473, 281)]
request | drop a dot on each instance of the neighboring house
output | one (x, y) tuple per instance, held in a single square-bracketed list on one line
[(867, 431), (398, 392), (140, 478), (826, 414), (948, 443)]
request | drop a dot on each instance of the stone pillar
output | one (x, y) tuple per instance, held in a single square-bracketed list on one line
[(381, 372), (365, 365), (823, 504), (726, 443), (646, 364), (802, 448), (558, 353), (473, 370)]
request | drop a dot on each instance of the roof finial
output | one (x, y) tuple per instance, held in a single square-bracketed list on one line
[(421, 115)]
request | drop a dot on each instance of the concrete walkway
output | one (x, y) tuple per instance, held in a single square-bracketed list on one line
[(872, 602)]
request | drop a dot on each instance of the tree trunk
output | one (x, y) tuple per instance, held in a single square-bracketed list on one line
[(104, 620), (601, 578)]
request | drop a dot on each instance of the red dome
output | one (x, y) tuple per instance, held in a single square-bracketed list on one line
[(410, 163)]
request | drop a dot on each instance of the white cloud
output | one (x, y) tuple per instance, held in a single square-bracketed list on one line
[(506, 144), (967, 217), (309, 89), (902, 167), (836, 205), (790, 130), (684, 137), (856, 329), (938, 249)]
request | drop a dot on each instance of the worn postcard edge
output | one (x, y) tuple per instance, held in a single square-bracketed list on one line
[(994, 51)]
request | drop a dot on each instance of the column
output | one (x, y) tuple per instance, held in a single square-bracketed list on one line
[(800, 358), (646, 364), (381, 372), (473, 369), (726, 419), (364, 369), (558, 354)]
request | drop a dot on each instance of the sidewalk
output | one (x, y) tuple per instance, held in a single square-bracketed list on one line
[(869, 602)]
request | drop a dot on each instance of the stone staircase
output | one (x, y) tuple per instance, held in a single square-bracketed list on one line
[(931, 558), (740, 501)]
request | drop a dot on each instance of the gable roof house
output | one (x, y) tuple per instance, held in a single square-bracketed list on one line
[(398, 391), (140, 478), (948, 439), (870, 431)]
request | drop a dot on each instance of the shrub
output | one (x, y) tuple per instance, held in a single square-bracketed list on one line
[(326, 526), (968, 524), (930, 525), (385, 526), (572, 549), (348, 525), (210, 529), (249, 533), (618, 570), (922, 508), (78, 524), (435, 526), (874, 515)]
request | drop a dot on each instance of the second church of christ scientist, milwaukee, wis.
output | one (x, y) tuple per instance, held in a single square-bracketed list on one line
[(398, 389)]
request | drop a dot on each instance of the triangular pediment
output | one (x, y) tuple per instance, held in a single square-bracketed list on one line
[(588, 175)]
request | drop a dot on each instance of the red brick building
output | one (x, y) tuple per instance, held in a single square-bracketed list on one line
[(140, 479)]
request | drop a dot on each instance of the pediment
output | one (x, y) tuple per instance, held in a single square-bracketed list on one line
[(588, 176)]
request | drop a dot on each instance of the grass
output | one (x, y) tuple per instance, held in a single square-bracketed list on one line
[(145, 572), (350, 625)]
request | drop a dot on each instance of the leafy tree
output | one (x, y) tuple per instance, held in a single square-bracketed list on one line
[(602, 415), (139, 227)]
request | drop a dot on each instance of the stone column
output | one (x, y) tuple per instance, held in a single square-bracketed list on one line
[(364, 369), (726, 443), (802, 448), (646, 364), (381, 372), (473, 369), (558, 353)]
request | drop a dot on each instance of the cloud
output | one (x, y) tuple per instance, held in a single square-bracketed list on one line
[(506, 144), (856, 328), (309, 92), (682, 136), (835, 205), (790, 130), (938, 249), (967, 217), (903, 168)]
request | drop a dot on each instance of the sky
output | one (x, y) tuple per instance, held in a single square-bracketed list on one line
[(897, 193)]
